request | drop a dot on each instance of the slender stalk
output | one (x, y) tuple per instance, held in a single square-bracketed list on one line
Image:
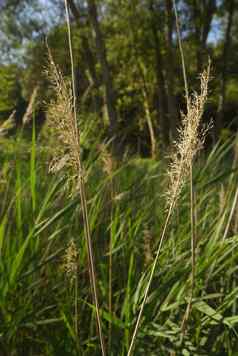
[(83, 191), (76, 303), (110, 271), (76, 307), (193, 231), (193, 255), (181, 166), (133, 339), (91, 261), (192, 214), (231, 214), (166, 224), (149, 122), (169, 214), (181, 51)]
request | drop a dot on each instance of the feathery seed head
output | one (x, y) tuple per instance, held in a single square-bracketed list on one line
[(70, 261), (62, 120), (191, 139)]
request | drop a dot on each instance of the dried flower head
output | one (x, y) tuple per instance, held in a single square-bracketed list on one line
[(191, 139), (70, 261), (29, 114), (62, 120)]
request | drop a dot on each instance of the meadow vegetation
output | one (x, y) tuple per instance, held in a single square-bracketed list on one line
[(102, 250), (42, 234)]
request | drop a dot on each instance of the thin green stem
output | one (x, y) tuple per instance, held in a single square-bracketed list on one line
[(133, 339), (181, 52), (83, 192), (110, 267), (76, 307), (193, 254), (166, 224), (234, 204)]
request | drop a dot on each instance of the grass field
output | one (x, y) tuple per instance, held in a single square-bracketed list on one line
[(117, 255), (45, 298)]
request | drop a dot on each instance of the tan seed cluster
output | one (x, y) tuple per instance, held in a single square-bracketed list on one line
[(70, 261), (191, 139), (62, 121)]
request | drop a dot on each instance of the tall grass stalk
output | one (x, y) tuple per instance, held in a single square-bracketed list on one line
[(193, 255), (181, 52), (189, 142), (83, 192), (133, 339), (63, 113), (109, 164), (108, 167), (192, 216), (110, 287), (233, 208)]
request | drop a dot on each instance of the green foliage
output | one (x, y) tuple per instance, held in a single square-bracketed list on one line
[(38, 219), (142, 53), (40, 214), (10, 92)]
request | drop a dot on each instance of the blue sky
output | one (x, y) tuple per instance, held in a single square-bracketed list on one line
[(215, 34)]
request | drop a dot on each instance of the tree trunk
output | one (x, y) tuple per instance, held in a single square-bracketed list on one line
[(172, 105), (102, 56), (142, 75), (88, 57), (209, 11), (203, 12), (227, 44), (161, 100), (146, 105), (196, 17)]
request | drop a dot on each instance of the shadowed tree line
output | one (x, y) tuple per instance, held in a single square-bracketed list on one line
[(128, 70)]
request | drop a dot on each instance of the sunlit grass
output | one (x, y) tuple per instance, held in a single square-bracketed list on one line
[(39, 219)]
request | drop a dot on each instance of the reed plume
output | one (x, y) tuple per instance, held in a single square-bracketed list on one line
[(61, 119), (62, 114), (70, 261), (190, 169), (191, 138)]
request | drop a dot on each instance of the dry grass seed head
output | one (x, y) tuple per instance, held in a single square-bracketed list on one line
[(61, 119), (190, 140), (70, 261)]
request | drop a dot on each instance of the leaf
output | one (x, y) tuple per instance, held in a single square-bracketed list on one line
[(33, 166), (207, 310), (69, 327), (2, 232)]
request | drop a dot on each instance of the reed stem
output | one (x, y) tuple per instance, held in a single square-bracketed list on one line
[(83, 191)]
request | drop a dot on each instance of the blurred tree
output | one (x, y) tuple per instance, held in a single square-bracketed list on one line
[(127, 60), (106, 75), (201, 13), (230, 10), (10, 90)]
